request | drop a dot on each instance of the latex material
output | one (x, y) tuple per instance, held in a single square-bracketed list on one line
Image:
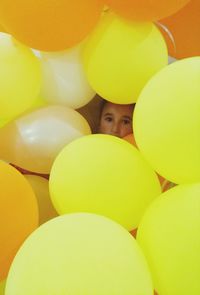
[(64, 79), (167, 122), (33, 141), (79, 254), (116, 54), (184, 26), (2, 287), (40, 186), (20, 77), (146, 10), (18, 214), (105, 175), (169, 237), (50, 25)]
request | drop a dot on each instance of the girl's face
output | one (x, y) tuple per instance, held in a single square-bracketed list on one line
[(116, 119)]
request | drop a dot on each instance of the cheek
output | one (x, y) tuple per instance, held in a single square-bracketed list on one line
[(126, 129), (104, 126)]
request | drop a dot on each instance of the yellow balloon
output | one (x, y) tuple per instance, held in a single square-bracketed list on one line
[(167, 121), (33, 141), (2, 287), (3, 122), (169, 237), (105, 175), (20, 77), (121, 56), (64, 80), (38, 103), (79, 254), (41, 189)]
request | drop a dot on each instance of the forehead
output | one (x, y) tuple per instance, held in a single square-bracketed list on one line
[(118, 109)]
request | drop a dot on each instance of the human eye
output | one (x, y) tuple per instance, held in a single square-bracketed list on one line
[(126, 121), (108, 119)]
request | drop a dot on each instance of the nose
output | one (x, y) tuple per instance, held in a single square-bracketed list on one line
[(115, 130)]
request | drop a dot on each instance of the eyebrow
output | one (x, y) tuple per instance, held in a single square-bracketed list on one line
[(124, 117), (127, 117), (108, 114)]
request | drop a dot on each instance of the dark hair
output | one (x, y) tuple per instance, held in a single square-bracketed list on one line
[(104, 102)]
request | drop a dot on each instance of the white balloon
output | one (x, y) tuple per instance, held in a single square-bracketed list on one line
[(37, 53), (64, 79), (171, 59), (34, 140)]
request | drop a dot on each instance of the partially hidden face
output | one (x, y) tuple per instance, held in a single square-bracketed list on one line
[(116, 119)]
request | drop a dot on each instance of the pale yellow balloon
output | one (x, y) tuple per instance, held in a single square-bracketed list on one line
[(169, 237), (20, 77), (167, 121), (79, 254), (34, 140), (40, 187), (2, 287), (121, 56), (64, 80), (105, 175)]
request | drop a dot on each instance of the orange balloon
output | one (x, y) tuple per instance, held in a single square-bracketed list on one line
[(134, 232), (1, 29), (184, 27), (146, 10), (130, 138), (18, 214), (50, 25)]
